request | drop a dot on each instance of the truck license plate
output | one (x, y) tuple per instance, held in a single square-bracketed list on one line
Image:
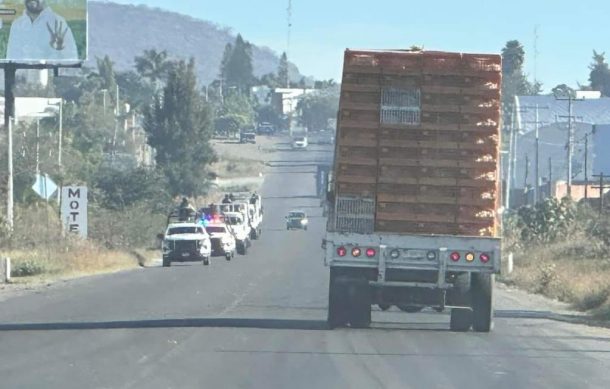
[(415, 254), (185, 254)]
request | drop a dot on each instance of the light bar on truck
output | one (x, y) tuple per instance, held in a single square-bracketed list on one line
[(371, 252), (455, 256), (470, 257), (484, 258), (395, 254), (356, 251), (341, 251)]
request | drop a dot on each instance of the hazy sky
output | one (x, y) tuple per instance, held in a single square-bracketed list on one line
[(322, 29)]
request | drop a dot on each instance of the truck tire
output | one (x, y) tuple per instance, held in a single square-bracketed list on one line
[(337, 300), (359, 302), (206, 261), (166, 262), (461, 319), (482, 302), (229, 256)]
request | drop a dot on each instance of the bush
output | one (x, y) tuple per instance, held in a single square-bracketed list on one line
[(28, 268)]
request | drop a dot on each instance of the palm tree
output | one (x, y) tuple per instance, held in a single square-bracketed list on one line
[(154, 65)]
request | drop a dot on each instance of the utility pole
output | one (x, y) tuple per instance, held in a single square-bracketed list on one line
[(9, 113), (570, 145), (586, 166), (527, 173), (289, 14), (509, 173), (537, 123), (37, 146), (9, 187), (117, 112), (602, 187), (550, 177), (61, 131)]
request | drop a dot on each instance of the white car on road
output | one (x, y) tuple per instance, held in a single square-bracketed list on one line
[(300, 142), (223, 240)]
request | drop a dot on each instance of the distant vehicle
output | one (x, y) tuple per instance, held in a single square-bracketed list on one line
[(247, 137), (186, 242), (240, 228), (266, 129), (222, 238), (297, 220), (300, 142)]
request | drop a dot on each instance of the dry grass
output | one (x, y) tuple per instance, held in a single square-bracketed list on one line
[(231, 167), (68, 260), (556, 271)]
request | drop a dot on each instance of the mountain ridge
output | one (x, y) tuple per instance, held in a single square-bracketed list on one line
[(183, 37)]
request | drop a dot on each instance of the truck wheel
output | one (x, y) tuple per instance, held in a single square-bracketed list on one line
[(337, 300), (359, 302), (259, 232), (384, 307), (166, 262), (305, 228), (228, 256), (461, 319), (482, 302), (206, 261)]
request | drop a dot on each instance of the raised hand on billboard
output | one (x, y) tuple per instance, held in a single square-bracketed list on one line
[(57, 36)]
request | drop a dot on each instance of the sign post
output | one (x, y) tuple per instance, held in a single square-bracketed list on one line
[(74, 209)]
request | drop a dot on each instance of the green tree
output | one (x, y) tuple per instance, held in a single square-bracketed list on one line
[(317, 108), (563, 90), (154, 65), (282, 71), (236, 113), (237, 67), (514, 80), (268, 114), (135, 90), (105, 72), (600, 73), (226, 59), (179, 127)]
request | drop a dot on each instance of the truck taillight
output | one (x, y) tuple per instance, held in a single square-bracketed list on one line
[(484, 258), (455, 256), (470, 257), (371, 253), (356, 252), (341, 251)]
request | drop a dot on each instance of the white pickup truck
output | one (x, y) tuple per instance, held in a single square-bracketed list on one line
[(184, 242)]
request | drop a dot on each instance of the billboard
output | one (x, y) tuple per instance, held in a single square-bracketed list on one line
[(53, 31)]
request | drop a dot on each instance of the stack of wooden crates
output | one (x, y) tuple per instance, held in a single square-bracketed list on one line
[(418, 137)]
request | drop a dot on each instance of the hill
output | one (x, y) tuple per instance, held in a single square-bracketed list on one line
[(124, 31)]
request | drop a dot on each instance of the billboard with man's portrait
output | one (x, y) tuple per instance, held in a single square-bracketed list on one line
[(54, 31)]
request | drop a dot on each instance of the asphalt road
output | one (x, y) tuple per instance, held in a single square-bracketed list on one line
[(259, 322)]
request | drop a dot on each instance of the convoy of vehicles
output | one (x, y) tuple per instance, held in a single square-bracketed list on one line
[(412, 206), (216, 230)]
